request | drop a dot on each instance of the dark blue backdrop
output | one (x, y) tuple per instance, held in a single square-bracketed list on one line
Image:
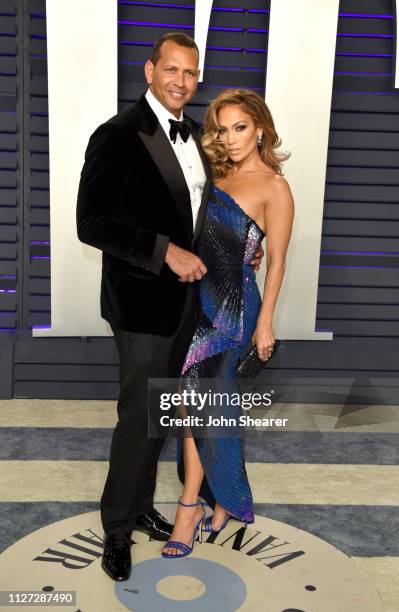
[(359, 279)]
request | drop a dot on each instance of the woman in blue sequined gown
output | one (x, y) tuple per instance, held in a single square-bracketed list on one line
[(248, 199)]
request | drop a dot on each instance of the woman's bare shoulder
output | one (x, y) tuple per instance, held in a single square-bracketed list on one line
[(275, 182), (273, 187)]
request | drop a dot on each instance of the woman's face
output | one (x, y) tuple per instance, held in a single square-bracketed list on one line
[(237, 132)]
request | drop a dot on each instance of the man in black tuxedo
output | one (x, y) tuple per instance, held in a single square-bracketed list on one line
[(142, 198)]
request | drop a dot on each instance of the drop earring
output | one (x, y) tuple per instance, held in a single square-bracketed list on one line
[(260, 139)]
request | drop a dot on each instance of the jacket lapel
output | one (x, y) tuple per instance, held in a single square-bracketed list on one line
[(161, 151)]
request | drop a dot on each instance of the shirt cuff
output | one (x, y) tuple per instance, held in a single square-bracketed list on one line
[(158, 256)]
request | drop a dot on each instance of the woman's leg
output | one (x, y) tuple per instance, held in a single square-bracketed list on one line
[(187, 518), (193, 469), (194, 474)]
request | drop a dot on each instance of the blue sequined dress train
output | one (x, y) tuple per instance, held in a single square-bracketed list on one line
[(230, 302)]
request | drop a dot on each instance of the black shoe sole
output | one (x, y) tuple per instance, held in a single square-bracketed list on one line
[(111, 575)]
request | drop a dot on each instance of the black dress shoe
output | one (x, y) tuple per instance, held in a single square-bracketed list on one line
[(155, 525), (117, 561)]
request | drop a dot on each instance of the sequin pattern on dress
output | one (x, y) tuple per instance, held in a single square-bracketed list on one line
[(230, 303)]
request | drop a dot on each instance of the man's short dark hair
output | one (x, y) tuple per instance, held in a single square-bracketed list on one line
[(181, 39)]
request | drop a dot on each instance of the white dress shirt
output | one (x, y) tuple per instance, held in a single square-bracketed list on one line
[(187, 154)]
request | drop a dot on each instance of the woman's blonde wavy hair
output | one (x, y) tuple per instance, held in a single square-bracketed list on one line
[(252, 104)]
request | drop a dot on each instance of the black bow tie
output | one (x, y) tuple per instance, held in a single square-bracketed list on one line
[(179, 127)]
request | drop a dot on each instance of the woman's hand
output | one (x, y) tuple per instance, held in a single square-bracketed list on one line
[(264, 339)]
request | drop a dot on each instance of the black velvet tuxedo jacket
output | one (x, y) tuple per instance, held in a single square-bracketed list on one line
[(133, 199)]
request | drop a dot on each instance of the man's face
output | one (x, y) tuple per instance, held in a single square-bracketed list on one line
[(173, 80)]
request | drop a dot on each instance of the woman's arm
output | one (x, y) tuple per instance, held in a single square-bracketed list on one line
[(279, 215)]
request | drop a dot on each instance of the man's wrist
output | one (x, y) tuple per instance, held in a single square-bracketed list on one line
[(169, 251)]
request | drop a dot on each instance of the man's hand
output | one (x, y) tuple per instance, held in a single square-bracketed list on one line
[(185, 264), (257, 260)]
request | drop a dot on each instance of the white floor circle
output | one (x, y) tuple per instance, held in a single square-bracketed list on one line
[(269, 566)]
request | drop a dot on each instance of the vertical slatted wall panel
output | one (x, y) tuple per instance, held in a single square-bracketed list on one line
[(359, 276), (38, 213), (8, 166), (359, 280)]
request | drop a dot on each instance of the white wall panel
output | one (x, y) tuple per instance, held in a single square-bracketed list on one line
[(82, 91), (300, 68)]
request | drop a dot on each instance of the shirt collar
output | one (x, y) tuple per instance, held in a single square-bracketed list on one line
[(160, 111)]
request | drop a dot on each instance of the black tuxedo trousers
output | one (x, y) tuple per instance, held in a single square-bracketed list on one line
[(130, 484)]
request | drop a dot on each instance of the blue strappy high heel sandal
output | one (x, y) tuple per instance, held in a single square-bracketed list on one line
[(185, 548), (207, 524)]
